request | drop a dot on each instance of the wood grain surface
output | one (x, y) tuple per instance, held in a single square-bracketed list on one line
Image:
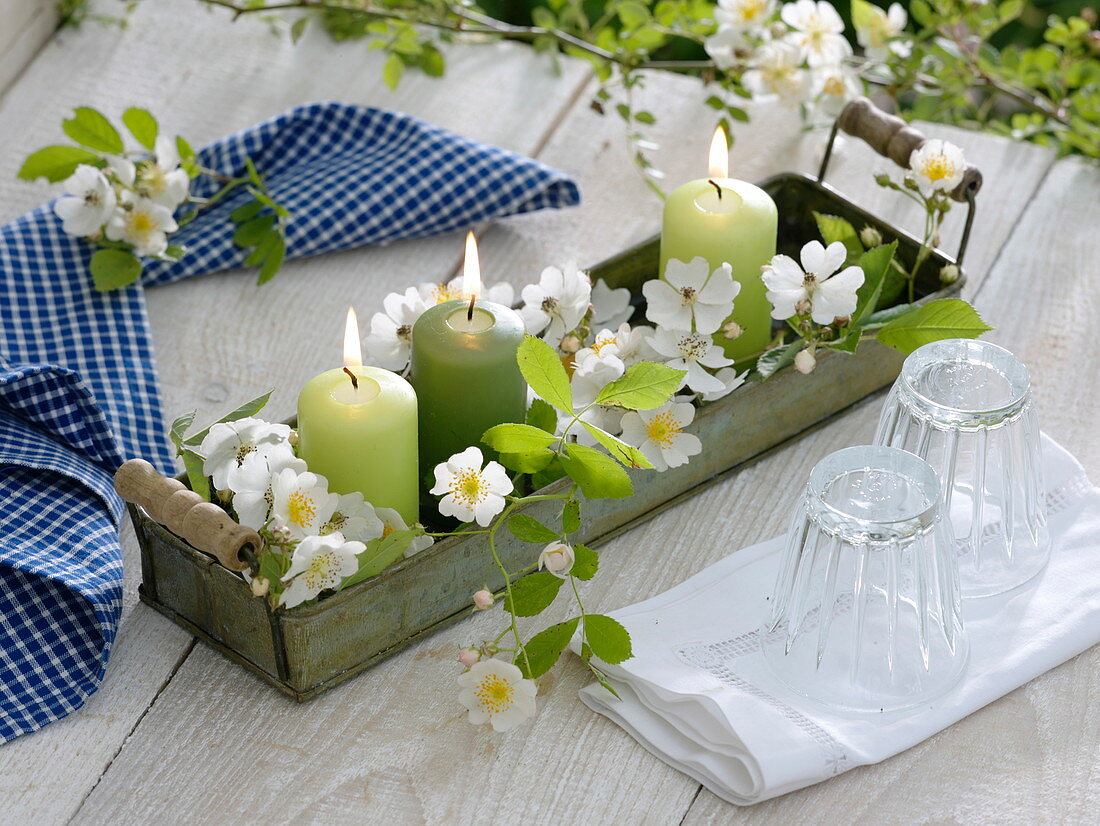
[(178, 734)]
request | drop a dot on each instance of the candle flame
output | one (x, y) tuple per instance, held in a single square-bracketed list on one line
[(471, 269), (719, 155), (353, 350)]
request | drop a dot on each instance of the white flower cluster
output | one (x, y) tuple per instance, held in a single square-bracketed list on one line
[(128, 202), (800, 55), (253, 466)]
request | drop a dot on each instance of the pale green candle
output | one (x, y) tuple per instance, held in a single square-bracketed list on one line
[(725, 220), (361, 435)]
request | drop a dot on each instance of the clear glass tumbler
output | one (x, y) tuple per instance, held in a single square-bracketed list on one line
[(965, 407), (866, 614)]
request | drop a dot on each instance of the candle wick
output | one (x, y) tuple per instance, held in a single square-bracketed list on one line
[(714, 183), (470, 311), (354, 378)]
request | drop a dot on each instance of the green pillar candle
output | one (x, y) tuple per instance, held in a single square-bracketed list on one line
[(466, 377), (726, 221), (362, 435)]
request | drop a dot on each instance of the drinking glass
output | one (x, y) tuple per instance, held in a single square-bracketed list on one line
[(866, 611), (965, 407)]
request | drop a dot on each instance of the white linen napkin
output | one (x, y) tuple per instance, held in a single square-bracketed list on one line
[(696, 693)]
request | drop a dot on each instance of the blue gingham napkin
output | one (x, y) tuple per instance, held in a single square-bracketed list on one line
[(78, 389)]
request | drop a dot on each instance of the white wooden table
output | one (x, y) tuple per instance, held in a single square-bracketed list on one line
[(178, 733)]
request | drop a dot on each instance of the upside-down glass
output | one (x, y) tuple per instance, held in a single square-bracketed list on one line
[(965, 407), (866, 614)]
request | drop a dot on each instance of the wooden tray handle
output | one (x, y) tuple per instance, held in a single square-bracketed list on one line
[(202, 524), (893, 138)]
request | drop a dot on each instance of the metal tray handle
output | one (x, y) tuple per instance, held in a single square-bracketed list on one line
[(895, 139), (202, 524)]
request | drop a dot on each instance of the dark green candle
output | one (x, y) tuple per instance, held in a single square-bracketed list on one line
[(465, 374)]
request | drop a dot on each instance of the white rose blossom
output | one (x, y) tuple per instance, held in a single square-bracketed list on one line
[(354, 518), (834, 86), (727, 47), (392, 521), (243, 454), (776, 69), (691, 352), (937, 165), (390, 339), (301, 502), (610, 307), (730, 379), (595, 368), (690, 296), (659, 433), (556, 305), (471, 492), (744, 14), (143, 223), (319, 563), (496, 692), (161, 180), (817, 31), (88, 203), (558, 559), (879, 35), (813, 288)]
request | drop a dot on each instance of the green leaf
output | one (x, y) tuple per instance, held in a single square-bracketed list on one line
[(544, 649), (112, 269), (528, 529), (517, 438), (598, 475), (627, 455), (298, 28), (184, 148), (644, 386), (544, 373), (245, 212), (198, 480), (532, 594), (274, 255), (180, 426), (263, 247), (778, 358), (249, 408), (542, 416), (530, 462), (833, 229), (250, 232), (56, 163), (607, 638), (633, 14), (585, 562), (392, 70), (946, 318), (89, 127), (142, 125), (571, 516), (380, 554), (173, 252), (432, 62), (863, 13), (875, 264), (548, 475)]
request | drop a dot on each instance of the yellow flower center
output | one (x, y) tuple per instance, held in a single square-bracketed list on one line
[(142, 223), (300, 509), (937, 167), (600, 343), (466, 486), (751, 9), (663, 429), (242, 452), (386, 531), (494, 694), (834, 86), (322, 572)]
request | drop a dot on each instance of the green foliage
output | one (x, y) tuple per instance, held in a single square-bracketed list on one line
[(142, 125), (381, 553), (946, 318), (528, 529), (597, 474), (114, 268), (586, 562), (607, 638), (56, 163), (545, 648), (90, 128), (517, 438), (833, 229), (532, 594), (544, 373), (645, 386)]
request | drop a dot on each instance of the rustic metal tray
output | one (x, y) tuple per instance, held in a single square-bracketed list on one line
[(306, 650)]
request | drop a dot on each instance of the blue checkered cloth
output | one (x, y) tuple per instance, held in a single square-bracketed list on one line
[(78, 389)]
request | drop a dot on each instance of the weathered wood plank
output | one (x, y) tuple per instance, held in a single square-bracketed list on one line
[(27, 24), (393, 744), (1044, 305), (500, 94)]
